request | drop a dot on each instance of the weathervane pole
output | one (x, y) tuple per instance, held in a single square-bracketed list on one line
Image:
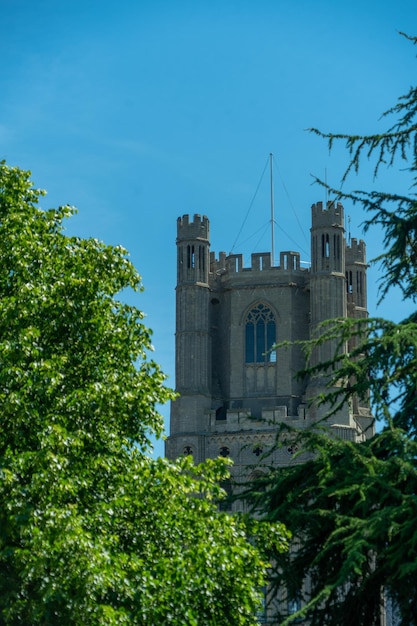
[(272, 211)]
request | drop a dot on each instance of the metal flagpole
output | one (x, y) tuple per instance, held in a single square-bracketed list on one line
[(272, 211)]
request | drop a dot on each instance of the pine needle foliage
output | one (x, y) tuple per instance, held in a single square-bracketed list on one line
[(352, 508)]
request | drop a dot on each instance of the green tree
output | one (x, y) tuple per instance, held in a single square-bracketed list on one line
[(92, 530), (352, 507)]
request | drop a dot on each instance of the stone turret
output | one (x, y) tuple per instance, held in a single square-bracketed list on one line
[(193, 243), (192, 338), (356, 278), (327, 282), (337, 290)]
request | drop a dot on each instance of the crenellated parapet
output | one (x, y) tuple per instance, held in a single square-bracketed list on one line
[(196, 228), (356, 252), (356, 268), (193, 245), (330, 215), (327, 239), (260, 262), (217, 266)]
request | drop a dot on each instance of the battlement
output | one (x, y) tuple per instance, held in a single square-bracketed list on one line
[(242, 419), (196, 228), (260, 262), (331, 215), (356, 252), (217, 266)]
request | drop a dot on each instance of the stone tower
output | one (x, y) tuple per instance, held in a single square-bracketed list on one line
[(193, 341), (327, 290), (234, 390)]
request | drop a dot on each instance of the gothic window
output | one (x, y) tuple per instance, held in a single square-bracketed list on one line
[(336, 241), (325, 246), (359, 282), (190, 257), (201, 260), (349, 282), (260, 331)]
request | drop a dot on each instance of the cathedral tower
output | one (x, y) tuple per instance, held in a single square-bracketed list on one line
[(235, 387)]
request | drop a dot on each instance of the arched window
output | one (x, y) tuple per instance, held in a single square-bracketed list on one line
[(260, 331), (190, 257)]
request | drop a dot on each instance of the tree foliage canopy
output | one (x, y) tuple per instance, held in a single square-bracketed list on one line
[(92, 530), (352, 507)]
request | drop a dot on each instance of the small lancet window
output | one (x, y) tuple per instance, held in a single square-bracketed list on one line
[(260, 335), (349, 282), (326, 247), (190, 257), (359, 282), (336, 246), (201, 258)]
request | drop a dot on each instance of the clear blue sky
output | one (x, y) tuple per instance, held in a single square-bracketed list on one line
[(138, 111)]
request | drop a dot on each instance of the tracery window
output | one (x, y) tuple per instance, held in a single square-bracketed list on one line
[(260, 335)]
